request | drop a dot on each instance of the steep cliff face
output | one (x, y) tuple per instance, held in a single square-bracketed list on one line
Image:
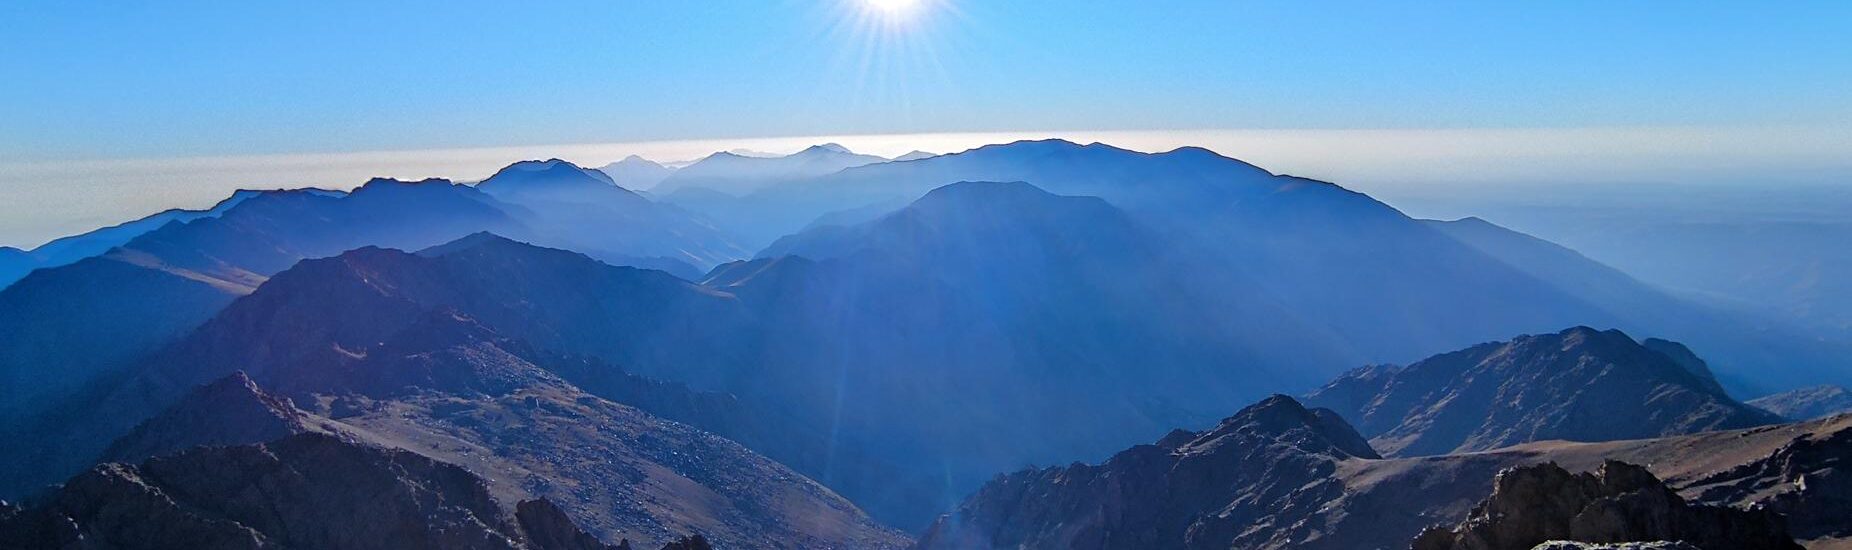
[(1244, 481), (1617, 503), (1570, 385)]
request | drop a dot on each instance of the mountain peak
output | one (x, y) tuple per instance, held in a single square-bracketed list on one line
[(378, 183), (232, 410), (1283, 418), (470, 241), (549, 173), (827, 147)]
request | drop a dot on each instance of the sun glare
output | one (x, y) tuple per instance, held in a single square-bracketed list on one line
[(892, 8)]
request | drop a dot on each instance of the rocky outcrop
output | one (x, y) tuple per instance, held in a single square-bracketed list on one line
[(1571, 385), (304, 491), (1806, 403), (1620, 502), (1808, 480), (1239, 484), (1655, 545), (548, 527)]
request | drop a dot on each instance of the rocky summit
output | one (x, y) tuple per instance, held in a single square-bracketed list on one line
[(1230, 486)]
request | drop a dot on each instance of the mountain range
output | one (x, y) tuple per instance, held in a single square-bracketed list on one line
[(732, 174), (96, 313), (394, 373), (814, 350)]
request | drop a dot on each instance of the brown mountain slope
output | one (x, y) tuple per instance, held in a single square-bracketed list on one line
[(448, 389)]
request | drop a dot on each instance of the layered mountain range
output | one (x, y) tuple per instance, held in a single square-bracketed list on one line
[(628, 367), (434, 382), (61, 326)]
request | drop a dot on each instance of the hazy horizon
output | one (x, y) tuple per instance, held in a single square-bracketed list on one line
[(1391, 163)]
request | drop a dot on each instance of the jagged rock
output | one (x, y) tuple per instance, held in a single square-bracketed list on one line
[(1569, 385), (230, 411), (1620, 502), (1237, 484), (1808, 480), (304, 491)]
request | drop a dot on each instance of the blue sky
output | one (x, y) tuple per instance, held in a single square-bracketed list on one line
[(89, 80)]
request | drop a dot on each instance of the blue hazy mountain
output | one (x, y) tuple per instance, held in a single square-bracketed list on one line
[(571, 207), (637, 173), (923, 324), (1730, 243), (1759, 351), (67, 323), (731, 174), (1396, 287), (16, 263), (910, 344)]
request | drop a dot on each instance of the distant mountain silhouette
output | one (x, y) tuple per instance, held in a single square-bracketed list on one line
[(737, 175), (15, 263), (1759, 350), (581, 209), (1571, 385), (636, 173)]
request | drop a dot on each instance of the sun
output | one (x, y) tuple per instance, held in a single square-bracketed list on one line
[(892, 7)]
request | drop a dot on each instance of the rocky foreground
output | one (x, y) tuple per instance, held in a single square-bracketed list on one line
[(1618, 503), (1278, 475)]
